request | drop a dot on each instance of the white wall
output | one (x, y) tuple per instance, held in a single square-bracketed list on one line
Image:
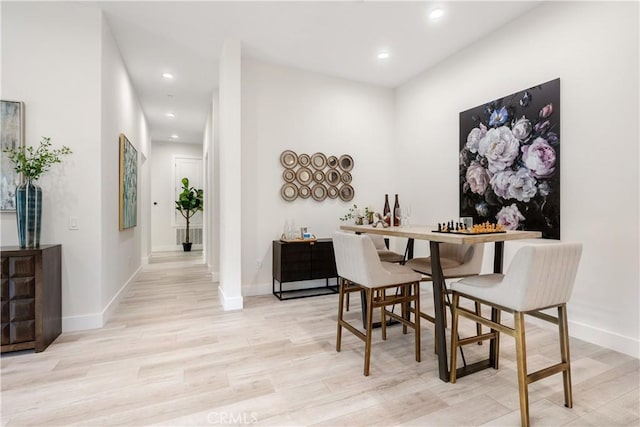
[(211, 150), (593, 48), (51, 61), (284, 108), (121, 113), (82, 98), (163, 233), (230, 175)]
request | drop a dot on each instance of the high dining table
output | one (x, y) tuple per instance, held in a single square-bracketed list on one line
[(425, 232)]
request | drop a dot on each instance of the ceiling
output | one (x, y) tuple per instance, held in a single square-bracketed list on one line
[(340, 38)]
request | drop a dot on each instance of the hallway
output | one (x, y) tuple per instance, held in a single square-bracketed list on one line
[(171, 356)]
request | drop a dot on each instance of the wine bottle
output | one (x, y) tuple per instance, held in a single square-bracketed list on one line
[(386, 212), (396, 213)]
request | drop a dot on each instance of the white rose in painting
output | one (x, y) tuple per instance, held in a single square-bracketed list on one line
[(500, 183), (500, 148), (522, 185), (522, 128), (474, 138)]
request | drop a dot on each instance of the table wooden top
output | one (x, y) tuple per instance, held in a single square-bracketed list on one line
[(425, 232)]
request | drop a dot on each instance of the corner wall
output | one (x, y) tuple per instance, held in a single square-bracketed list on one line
[(289, 109), (593, 48), (121, 113), (82, 97), (51, 60)]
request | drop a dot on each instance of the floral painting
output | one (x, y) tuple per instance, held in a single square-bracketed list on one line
[(510, 161)]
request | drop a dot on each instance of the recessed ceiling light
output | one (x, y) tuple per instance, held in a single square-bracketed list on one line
[(383, 55), (174, 136), (170, 115), (436, 14), (168, 76)]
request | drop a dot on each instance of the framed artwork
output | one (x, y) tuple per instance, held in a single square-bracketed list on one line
[(12, 136), (128, 184), (510, 161)]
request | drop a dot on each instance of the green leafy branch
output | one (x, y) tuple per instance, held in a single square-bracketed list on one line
[(33, 162)]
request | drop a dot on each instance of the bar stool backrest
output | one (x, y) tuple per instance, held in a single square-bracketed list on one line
[(356, 258), (469, 256), (542, 275)]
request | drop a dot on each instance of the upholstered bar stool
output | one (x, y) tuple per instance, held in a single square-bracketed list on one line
[(383, 251), (457, 261), (539, 277), (360, 270), (384, 254)]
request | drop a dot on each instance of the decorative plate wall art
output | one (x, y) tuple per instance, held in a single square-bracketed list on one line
[(510, 161), (316, 175)]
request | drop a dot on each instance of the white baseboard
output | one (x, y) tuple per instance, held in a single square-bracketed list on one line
[(97, 320), (81, 323), (230, 303), (611, 340), (256, 289), (115, 301), (173, 248)]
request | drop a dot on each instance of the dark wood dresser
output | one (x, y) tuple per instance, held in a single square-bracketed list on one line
[(299, 261), (31, 297)]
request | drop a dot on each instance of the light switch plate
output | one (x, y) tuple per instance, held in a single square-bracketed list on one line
[(73, 223)]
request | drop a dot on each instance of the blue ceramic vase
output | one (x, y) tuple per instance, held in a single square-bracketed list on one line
[(29, 214)]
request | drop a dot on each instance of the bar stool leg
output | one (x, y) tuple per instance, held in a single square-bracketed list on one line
[(478, 325), (454, 337), (564, 354), (367, 343), (416, 318), (383, 316), (340, 309), (521, 358)]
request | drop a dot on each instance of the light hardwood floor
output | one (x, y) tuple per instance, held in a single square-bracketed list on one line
[(171, 356)]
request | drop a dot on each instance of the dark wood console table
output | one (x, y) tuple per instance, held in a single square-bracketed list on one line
[(303, 260), (31, 297)]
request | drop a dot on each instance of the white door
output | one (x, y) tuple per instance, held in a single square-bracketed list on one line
[(191, 168)]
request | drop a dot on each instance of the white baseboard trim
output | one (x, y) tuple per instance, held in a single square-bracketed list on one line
[(256, 289), (230, 303), (107, 312), (611, 340), (98, 320), (173, 248), (81, 323)]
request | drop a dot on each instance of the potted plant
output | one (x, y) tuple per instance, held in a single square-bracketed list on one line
[(189, 202), (32, 162)]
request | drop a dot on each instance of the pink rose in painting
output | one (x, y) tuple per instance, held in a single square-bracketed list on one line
[(510, 217), (474, 138), (500, 183), (540, 158), (546, 111), (477, 178), (500, 148)]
